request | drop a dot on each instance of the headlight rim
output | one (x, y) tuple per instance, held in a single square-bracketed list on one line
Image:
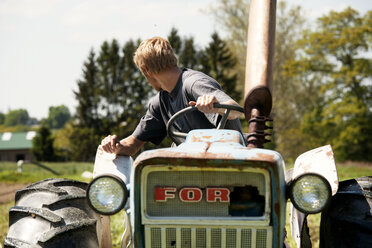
[(329, 191), (125, 191)]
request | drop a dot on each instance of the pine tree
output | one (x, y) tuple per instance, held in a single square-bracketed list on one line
[(218, 62), (87, 94), (110, 79), (42, 145), (233, 16), (188, 56), (175, 40)]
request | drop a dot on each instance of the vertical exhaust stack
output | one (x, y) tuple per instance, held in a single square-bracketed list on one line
[(259, 69)]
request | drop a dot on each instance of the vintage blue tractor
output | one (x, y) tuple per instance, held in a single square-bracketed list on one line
[(218, 188)]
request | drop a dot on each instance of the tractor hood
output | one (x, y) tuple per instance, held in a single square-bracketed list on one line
[(213, 144)]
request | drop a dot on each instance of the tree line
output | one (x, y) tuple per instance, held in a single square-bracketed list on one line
[(20, 120), (322, 89), (321, 92)]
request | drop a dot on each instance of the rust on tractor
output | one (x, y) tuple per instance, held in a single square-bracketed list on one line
[(210, 151), (319, 161), (277, 208), (267, 157), (205, 136)]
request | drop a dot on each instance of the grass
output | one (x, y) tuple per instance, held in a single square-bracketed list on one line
[(73, 170), (33, 173), (4, 219), (117, 228)]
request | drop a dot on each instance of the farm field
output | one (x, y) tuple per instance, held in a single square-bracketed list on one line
[(11, 180)]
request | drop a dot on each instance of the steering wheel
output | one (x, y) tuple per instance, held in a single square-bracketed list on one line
[(173, 134)]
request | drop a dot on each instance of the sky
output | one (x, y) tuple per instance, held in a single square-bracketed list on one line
[(44, 43)]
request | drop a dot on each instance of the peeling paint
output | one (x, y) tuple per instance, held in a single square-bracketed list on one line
[(319, 161), (223, 150)]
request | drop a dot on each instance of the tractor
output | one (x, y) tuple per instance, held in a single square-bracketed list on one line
[(216, 189)]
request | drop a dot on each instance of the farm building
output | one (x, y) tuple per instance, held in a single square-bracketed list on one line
[(16, 146)]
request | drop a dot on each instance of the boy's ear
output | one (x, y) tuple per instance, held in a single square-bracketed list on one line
[(145, 71), (150, 74)]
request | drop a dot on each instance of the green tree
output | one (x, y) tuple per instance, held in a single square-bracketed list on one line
[(218, 62), (83, 143), (61, 144), (87, 94), (335, 58), (16, 117), (188, 57), (290, 99), (87, 125), (58, 116), (42, 145), (232, 16), (110, 81), (175, 40), (185, 50)]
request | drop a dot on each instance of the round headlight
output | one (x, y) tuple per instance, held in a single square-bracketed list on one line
[(310, 193), (107, 194)]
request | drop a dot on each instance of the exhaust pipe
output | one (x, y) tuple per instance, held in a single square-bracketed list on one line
[(259, 70)]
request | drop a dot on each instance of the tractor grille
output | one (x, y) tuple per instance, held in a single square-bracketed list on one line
[(215, 237), (254, 183)]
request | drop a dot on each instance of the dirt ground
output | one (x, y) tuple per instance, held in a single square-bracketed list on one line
[(7, 191)]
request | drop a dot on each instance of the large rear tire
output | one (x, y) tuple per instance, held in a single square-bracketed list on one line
[(53, 213), (347, 222)]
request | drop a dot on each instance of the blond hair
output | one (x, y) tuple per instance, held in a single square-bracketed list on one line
[(155, 55)]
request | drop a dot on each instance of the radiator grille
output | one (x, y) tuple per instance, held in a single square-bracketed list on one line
[(216, 238), (191, 237), (261, 239), (231, 238), (155, 237), (201, 238), (246, 238), (201, 180), (185, 237)]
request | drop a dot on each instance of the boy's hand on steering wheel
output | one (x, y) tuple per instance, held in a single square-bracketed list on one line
[(205, 104)]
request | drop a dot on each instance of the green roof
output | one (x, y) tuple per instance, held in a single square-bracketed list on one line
[(19, 140)]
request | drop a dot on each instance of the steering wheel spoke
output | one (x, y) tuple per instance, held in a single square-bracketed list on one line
[(223, 121)]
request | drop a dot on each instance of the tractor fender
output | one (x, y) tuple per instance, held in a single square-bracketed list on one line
[(108, 163), (318, 161), (120, 166)]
